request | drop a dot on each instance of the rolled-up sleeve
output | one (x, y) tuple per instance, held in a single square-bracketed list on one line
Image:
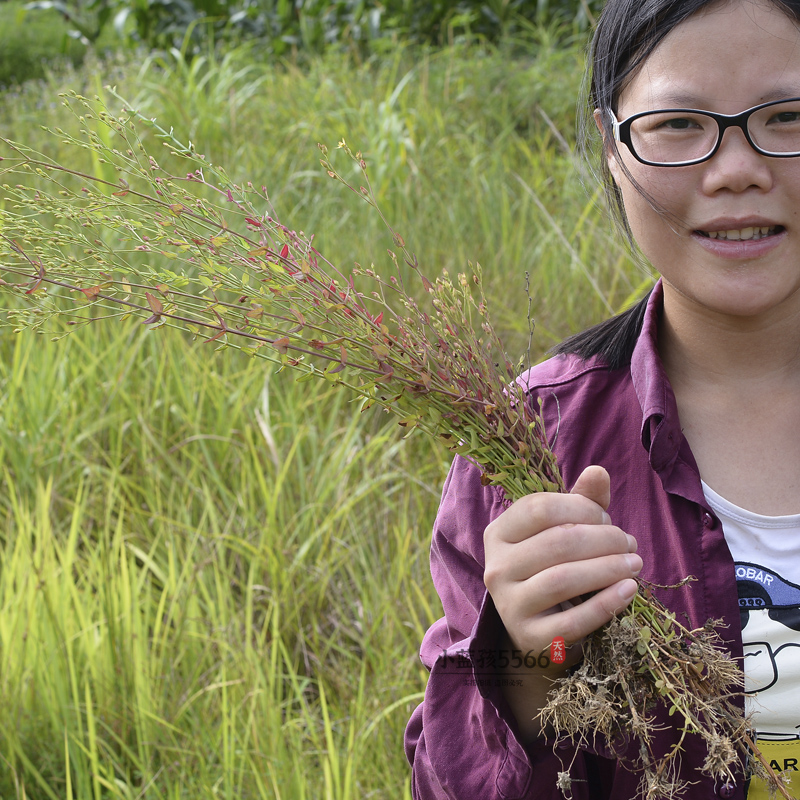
[(462, 741)]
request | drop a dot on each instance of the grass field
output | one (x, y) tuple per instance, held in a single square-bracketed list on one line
[(213, 580)]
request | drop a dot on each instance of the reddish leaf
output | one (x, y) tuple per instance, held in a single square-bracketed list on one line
[(40, 277), (298, 316), (154, 303), (216, 336), (285, 251), (176, 208), (254, 222), (282, 345), (92, 292), (341, 365)]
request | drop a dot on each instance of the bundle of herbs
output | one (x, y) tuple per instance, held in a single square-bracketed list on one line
[(186, 247)]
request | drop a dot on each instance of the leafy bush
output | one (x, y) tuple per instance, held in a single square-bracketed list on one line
[(31, 43), (312, 25)]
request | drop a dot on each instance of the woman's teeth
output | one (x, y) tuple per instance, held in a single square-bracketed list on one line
[(743, 234)]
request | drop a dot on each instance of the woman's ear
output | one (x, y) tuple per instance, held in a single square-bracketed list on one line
[(609, 151)]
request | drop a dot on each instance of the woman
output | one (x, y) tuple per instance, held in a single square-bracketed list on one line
[(676, 424)]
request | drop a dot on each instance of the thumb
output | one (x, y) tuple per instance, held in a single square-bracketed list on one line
[(595, 484)]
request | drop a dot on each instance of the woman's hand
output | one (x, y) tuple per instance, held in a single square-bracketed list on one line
[(556, 567)]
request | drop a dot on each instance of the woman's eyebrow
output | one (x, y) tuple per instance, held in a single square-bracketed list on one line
[(781, 93), (688, 100), (679, 100)]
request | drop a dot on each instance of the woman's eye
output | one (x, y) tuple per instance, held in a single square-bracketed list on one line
[(784, 117), (679, 124)]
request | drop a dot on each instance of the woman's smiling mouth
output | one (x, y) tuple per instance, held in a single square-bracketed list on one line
[(743, 234), (745, 242)]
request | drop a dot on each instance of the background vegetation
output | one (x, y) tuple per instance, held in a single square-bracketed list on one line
[(38, 32), (213, 580)]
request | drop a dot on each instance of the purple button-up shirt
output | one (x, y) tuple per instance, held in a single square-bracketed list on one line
[(462, 741)]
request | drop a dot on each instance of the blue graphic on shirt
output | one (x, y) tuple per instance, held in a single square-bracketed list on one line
[(779, 591)]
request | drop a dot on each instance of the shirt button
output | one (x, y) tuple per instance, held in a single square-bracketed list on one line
[(727, 790), (708, 521)]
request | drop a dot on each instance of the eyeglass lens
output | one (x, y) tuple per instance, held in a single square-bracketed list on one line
[(670, 137)]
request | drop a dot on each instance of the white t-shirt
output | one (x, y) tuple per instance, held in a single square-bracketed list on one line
[(766, 552)]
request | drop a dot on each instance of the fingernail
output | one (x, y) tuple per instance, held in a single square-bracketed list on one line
[(606, 518), (626, 590), (634, 562), (633, 545)]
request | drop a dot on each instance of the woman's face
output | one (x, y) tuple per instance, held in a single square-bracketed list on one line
[(727, 59)]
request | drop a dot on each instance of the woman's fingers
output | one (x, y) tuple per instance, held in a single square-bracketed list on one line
[(560, 545), (563, 582), (594, 483), (538, 512), (580, 621)]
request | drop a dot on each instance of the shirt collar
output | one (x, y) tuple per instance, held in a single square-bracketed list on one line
[(660, 432)]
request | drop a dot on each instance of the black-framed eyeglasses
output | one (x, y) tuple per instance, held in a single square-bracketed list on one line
[(679, 137)]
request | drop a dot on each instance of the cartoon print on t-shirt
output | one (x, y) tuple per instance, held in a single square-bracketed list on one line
[(769, 608)]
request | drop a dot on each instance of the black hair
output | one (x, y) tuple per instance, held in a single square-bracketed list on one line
[(627, 32), (613, 339)]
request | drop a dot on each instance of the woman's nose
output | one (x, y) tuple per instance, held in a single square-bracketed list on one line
[(736, 166)]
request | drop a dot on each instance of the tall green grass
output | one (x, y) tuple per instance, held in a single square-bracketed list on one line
[(213, 579), (205, 576)]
